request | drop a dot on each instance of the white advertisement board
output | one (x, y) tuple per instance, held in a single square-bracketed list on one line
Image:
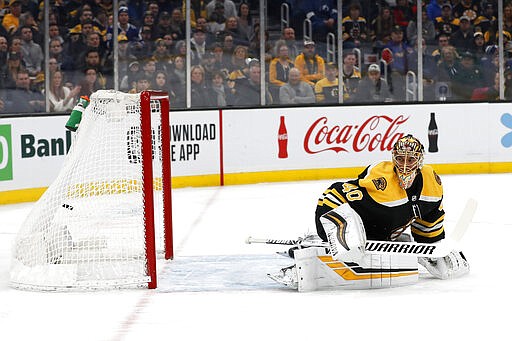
[(334, 137)]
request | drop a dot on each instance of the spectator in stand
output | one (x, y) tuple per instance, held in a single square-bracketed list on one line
[(208, 64), (279, 70), (310, 64), (323, 15), (56, 51), (351, 75), (428, 29), (148, 20), (244, 20), (31, 52), (145, 46), (170, 44), (10, 71), (221, 62), (197, 10), (434, 9), (142, 83), (123, 26), (27, 20), (149, 68), (201, 96), (228, 5), (95, 41), (219, 89), (124, 55), (74, 47), (178, 72), (296, 91), (231, 27), (228, 44), (11, 20), (354, 28), (449, 65), (254, 44), (162, 57), (22, 99), (202, 24), (177, 80), (238, 63), (446, 23), (92, 59), (468, 78), (198, 46), (442, 40), (395, 54), (469, 8), (487, 22), (288, 36), (55, 33), (217, 20), (88, 84), (174, 25), (327, 89), (507, 19), (246, 91), (402, 14), (128, 81), (478, 48), (373, 88), (381, 28), (462, 39), (4, 51), (61, 98), (154, 8)]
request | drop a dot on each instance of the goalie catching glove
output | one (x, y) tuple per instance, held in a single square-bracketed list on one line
[(451, 266)]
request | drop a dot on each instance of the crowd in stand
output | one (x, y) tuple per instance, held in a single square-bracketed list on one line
[(460, 54)]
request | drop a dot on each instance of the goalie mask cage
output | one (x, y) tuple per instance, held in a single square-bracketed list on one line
[(100, 223)]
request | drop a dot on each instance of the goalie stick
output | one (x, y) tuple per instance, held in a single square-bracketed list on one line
[(440, 249)]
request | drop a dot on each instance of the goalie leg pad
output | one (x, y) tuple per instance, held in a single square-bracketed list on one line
[(317, 270), (345, 232)]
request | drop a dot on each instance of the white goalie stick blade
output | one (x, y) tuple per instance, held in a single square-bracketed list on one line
[(439, 249)]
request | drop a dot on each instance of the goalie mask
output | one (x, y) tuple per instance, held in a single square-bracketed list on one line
[(407, 159)]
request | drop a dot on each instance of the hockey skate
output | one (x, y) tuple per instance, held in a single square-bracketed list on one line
[(286, 276)]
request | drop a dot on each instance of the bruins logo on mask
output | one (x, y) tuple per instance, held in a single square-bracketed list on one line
[(380, 183)]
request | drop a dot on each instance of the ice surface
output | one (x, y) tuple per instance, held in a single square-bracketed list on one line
[(217, 288)]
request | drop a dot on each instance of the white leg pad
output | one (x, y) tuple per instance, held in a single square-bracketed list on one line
[(317, 270)]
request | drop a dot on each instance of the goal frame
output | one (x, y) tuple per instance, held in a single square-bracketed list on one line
[(147, 175)]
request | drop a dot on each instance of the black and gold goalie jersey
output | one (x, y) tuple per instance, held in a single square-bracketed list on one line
[(386, 209)]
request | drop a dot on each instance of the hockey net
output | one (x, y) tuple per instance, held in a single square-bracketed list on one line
[(101, 221)]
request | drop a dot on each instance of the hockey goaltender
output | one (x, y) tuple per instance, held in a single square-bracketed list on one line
[(380, 205)]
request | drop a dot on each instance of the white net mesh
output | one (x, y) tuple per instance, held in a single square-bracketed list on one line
[(87, 230)]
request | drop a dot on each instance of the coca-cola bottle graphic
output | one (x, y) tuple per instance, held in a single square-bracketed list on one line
[(432, 134), (282, 140)]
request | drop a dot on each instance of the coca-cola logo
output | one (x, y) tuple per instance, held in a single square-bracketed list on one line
[(378, 132)]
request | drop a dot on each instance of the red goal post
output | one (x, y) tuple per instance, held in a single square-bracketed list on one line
[(105, 217)]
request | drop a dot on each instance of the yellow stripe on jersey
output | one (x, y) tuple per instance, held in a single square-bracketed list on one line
[(432, 187), (431, 234), (427, 224), (382, 185)]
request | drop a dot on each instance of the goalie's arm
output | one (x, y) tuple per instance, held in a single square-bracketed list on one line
[(429, 228)]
